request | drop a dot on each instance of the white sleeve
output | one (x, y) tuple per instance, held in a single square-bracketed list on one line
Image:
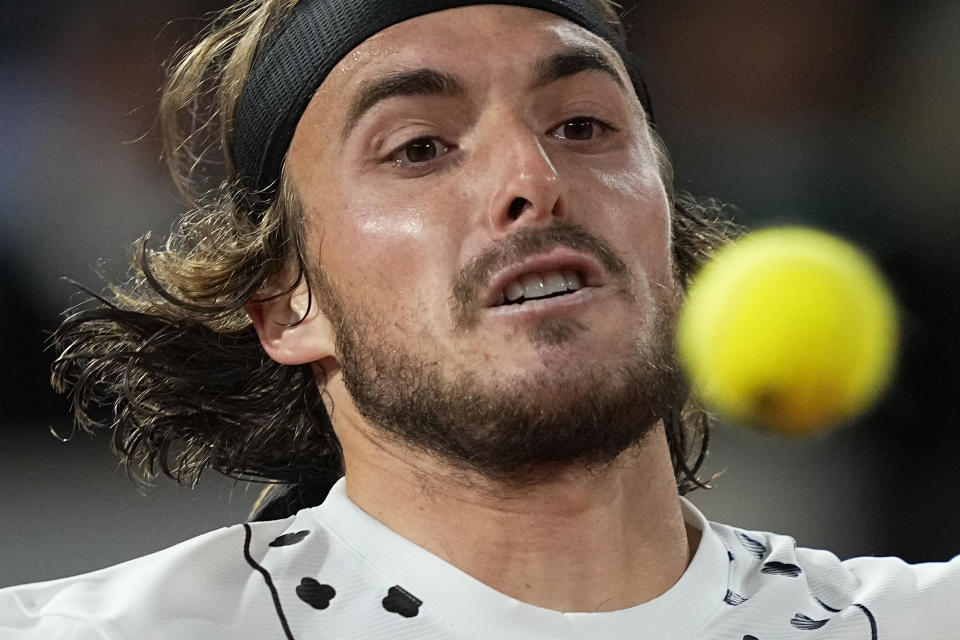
[(905, 600), (921, 600), (19, 625), (194, 587)]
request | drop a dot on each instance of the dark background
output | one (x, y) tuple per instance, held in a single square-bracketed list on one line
[(840, 114)]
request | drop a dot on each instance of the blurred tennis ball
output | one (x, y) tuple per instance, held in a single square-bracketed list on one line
[(789, 329)]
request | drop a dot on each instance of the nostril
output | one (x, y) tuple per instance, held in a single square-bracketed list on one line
[(517, 207)]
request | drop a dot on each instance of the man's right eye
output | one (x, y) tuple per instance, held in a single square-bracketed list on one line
[(419, 151)]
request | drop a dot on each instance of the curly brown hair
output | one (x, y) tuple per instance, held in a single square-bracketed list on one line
[(169, 362)]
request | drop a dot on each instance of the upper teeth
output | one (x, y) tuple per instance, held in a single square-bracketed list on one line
[(538, 285)]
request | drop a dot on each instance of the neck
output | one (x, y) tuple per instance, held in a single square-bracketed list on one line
[(580, 540)]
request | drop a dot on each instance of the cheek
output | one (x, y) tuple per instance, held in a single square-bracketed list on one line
[(391, 257), (378, 229), (640, 216)]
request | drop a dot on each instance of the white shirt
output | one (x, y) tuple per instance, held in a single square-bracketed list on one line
[(334, 572)]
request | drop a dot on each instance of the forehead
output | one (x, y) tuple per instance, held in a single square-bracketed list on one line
[(490, 39)]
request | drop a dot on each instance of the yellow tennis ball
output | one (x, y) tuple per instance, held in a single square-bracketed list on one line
[(789, 329)]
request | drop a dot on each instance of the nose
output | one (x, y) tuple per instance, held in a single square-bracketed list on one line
[(528, 187)]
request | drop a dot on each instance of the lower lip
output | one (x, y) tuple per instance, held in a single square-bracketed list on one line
[(546, 307)]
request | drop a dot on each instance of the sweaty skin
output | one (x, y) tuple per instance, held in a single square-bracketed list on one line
[(391, 224)]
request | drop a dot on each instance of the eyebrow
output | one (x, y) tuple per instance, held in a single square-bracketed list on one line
[(418, 82), (430, 82), (572, 61)]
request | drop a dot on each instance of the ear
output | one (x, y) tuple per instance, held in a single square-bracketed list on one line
[(291, 327)]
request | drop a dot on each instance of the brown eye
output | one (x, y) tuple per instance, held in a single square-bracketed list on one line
[(583, 129), (422, 150)]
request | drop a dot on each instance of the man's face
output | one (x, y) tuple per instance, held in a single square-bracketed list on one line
[(451, 163)]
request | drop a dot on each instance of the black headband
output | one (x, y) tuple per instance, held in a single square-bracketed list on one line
[(307, 46)]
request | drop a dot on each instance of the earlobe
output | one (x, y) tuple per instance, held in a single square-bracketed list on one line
[(292, 329)]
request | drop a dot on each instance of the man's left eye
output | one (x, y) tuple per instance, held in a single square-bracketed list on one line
[(580, 129)]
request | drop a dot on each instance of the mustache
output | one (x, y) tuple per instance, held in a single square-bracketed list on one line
[(470, 281)]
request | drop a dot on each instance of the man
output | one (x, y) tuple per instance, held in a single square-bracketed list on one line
[(443, 261)]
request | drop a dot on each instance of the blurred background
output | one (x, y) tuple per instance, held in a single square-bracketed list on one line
[(838, 114)]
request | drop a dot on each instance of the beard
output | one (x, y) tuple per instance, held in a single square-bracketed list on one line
[(519, 428)]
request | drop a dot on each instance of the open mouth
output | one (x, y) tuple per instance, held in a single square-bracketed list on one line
[(537, 286)]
